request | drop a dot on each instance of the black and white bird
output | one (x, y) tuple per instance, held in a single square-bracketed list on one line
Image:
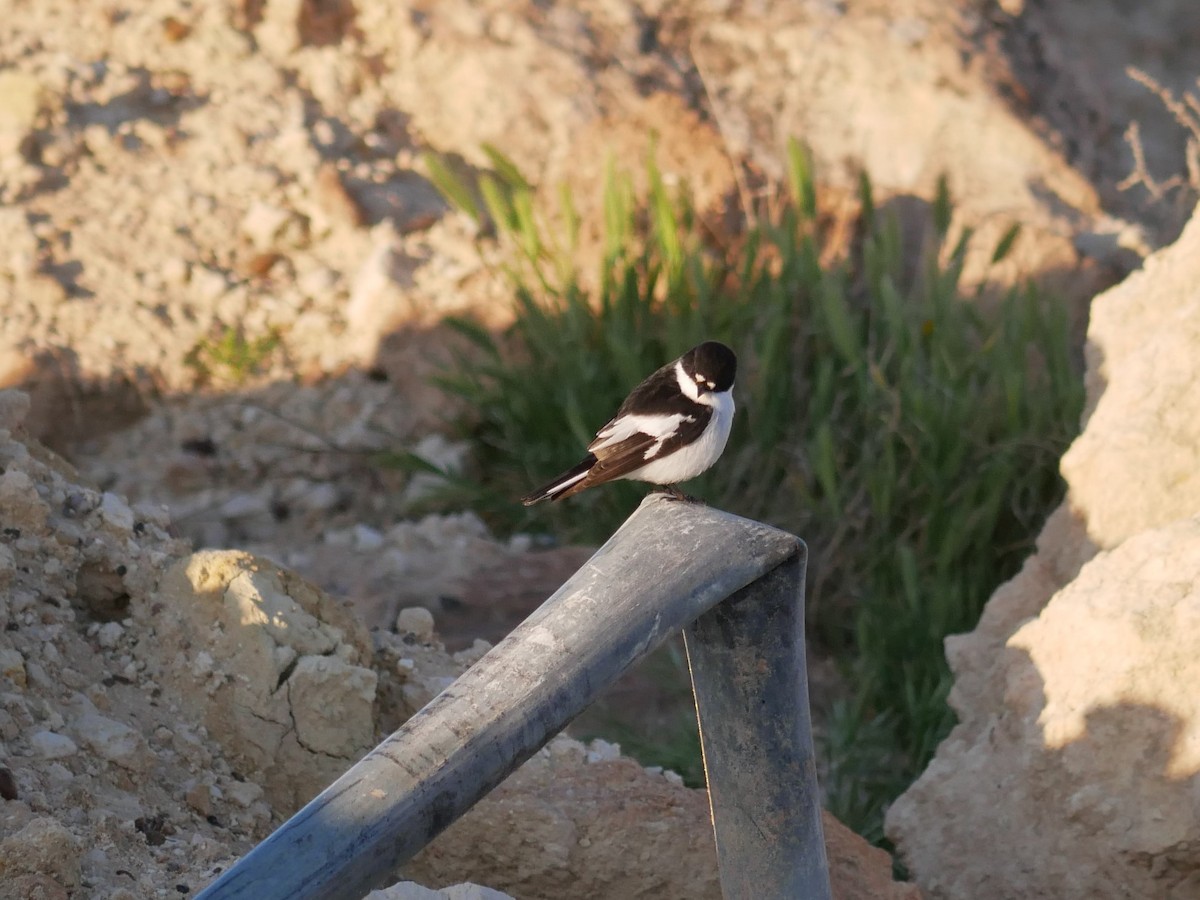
[(672, 427)]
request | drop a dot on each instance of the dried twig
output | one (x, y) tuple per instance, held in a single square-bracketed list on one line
[(1186, 112), (1141, 174)]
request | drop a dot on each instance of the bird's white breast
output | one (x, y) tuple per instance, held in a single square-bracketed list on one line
[(689, 461)]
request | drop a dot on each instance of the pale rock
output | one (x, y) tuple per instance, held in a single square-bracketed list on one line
[(471, 655), (284, 657), (14, 407), (263, 600), (12, 666), (565, 750), (244, 793), (51, 745), (18, 257), (417, 621), (20, 103), (300, 708), (95, 857), (8, 568), (1093, 763), (367, 538), (208, 284), (1072, 718), (318, 284), (602, 751), (175, 271), (116, 512), (155, 514), (245, 506), (30, 886), (1137, 463), (42, 847), (22, 505), (278, 32), (334, 205), (202, 664), (320, 497), (410, 890), (200, 797), (109, 635), (111, 740), (60, 773), (23, 602), (264, 224), (320, 684), (520, 543), (470, 891), (438, 683), (376, 302)]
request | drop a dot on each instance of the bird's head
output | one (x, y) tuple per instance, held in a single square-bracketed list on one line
[(712, 366)]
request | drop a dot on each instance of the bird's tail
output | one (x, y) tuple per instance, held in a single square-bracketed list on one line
[(562, 485)]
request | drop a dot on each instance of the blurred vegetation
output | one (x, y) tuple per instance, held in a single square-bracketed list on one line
[(231, 356), (909, 433)]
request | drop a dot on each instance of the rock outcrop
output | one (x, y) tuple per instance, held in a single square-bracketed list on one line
[(1076, 762), (276, 671)]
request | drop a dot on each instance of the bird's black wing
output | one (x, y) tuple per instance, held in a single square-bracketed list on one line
[(615, 459), (659, 393)]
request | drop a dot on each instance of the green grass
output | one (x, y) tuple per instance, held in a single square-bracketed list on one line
[(231, 355), (908, 433)]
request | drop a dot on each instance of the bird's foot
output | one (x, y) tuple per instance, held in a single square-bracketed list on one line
[(674, 493)]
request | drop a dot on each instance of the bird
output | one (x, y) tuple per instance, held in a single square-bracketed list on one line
[(671, 427)]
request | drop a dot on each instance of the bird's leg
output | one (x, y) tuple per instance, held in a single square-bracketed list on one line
[(674, 493)]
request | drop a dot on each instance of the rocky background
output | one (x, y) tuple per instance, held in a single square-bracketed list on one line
[(172, 172)]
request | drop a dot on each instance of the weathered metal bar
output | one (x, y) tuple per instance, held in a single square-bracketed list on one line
[(748, 673), (667, 564)]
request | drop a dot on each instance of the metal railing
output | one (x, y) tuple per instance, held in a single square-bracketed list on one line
[(735, 586)]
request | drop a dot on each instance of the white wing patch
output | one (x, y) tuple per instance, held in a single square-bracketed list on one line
[(656, 449), (659, 427)]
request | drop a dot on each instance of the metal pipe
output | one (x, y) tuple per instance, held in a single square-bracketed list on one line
[(746, 656), (669, 563)]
